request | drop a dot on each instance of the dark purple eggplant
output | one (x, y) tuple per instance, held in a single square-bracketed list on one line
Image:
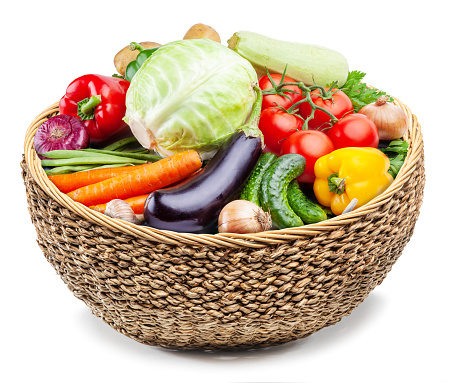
[(194, 205)]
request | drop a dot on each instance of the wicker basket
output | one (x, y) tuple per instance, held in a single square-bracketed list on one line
[(190, 291)]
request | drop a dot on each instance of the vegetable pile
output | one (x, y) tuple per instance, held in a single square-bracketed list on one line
[(194, 136)]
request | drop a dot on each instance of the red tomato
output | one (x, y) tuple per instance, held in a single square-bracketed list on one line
[(276, 125), (339, 105), (287, 99), (354, 130), (311, 144)]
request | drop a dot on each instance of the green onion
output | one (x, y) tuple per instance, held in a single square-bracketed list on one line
[(67, 169), (121, 144), (110, 166), (67, 154), (82, 153), (71, 161), (79, 168), (98, 160), (136, 155)]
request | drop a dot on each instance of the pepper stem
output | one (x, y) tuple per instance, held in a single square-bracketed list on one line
[(339, 183), (336, 184), (86, 107), (133, 46)]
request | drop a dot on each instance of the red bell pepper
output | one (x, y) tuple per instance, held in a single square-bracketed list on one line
[(99, 101)]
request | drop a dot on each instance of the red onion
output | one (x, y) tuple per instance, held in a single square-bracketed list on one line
[(61, 132)]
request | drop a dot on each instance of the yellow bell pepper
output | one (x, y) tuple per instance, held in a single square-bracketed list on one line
[(349, 173)]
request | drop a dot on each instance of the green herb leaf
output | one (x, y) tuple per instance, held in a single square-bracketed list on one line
[(359, 93), (396, 152), (354, 78)]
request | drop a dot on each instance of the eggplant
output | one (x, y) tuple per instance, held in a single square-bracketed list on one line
[(194, 205)]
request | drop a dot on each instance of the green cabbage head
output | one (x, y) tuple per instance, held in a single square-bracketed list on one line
[(190, 94)]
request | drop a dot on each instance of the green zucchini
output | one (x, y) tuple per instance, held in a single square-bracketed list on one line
[(307, 63), (308, 211), (250, 191), (273, 189)]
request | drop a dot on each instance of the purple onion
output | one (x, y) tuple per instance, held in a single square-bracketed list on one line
[(61, 132)]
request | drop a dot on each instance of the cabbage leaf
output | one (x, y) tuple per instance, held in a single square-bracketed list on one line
[(190, 94)]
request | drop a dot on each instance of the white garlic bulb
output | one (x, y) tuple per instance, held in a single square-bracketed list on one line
[(120, 209)]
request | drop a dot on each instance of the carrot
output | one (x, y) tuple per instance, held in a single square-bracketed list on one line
[(137, 203), (69, 182), (140, 181)]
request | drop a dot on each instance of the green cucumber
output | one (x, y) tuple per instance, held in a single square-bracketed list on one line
[(307, 63), (250, 191), (308, 211), (273, 189)]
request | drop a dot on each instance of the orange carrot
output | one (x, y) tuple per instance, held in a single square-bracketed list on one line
[(69, 182), (137, 203), (140, 181)]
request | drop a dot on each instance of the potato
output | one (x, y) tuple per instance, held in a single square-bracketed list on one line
[(126, 55), (201, 31)]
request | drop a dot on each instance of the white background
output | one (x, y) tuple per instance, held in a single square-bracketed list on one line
[(398, 334)]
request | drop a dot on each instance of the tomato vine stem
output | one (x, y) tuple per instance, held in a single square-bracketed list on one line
[(307, 97)]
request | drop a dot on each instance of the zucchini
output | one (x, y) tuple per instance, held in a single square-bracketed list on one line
[(307, 63), (250, 191), (308, 211), (273, 189)]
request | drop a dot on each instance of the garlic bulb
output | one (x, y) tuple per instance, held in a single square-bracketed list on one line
[(243, 217), (390, 119), (120, 209)]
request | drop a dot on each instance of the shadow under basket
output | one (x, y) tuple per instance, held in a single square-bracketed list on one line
[(223, 291)]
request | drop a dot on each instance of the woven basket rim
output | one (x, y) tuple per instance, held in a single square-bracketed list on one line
[(257, 240)]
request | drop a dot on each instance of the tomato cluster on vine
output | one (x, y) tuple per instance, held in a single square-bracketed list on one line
[(312, 121)]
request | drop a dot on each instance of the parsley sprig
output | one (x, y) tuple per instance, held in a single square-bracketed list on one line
[(396, 151), (360, 93)]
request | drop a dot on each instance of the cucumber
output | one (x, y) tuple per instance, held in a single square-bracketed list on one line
[(250, 191), (307, 63), (273, 189), (308, 211)]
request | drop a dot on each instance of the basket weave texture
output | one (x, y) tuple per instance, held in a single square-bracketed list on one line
[(192, 291)]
